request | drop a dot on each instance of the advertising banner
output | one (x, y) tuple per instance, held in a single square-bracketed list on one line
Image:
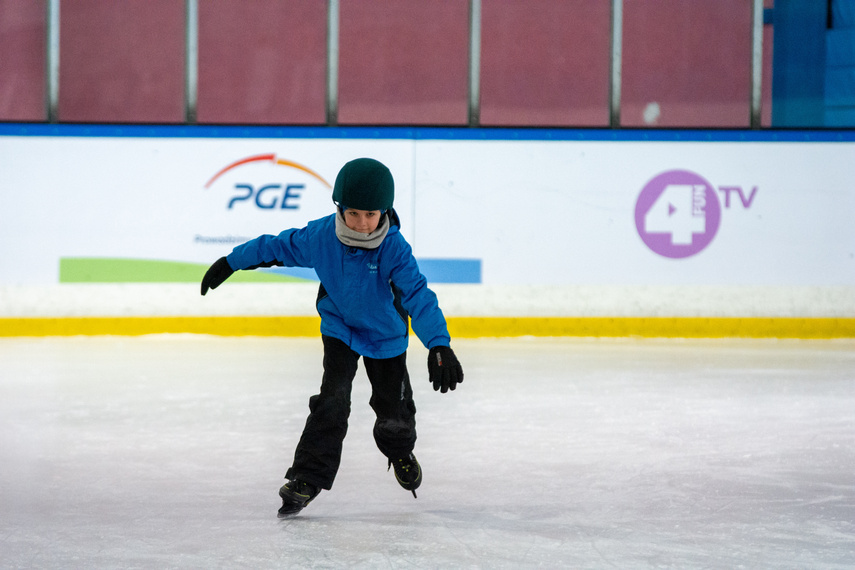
[(100, 209), (641, 213)]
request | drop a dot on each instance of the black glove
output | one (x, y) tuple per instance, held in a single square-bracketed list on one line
[(443, 368), (216, 274)]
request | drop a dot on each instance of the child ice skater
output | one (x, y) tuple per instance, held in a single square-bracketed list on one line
[(370, 288)]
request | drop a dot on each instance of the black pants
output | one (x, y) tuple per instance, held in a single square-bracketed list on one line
[(318, 454)]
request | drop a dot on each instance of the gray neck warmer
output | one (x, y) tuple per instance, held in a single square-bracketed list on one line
[(353, 238)]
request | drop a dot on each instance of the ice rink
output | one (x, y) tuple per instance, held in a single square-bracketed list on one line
[(167, 451)]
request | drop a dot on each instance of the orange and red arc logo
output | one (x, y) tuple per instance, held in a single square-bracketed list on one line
[(271, 158)]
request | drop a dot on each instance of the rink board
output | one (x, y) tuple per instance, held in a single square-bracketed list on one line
[(553, 232)]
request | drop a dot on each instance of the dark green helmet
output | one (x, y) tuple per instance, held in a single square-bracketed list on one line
[(364, 184)]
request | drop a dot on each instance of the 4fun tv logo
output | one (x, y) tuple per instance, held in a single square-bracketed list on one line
[(678, 212), (248, 192)]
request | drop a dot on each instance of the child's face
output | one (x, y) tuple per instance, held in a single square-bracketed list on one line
[(362, 221)]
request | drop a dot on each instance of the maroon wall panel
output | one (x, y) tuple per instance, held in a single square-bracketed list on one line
[(122, 61), (22, 60), (262, 62), (404, 62), (545, 63), (686, 63)]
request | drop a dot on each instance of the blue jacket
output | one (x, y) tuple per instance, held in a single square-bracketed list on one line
[(360, 288)]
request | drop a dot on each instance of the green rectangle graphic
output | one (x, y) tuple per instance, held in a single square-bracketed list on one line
[(119, 270)]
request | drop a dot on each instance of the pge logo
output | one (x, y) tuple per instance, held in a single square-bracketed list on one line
[(678, 213), (267, 196)]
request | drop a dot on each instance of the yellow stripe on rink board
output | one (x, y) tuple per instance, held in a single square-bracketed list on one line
[(676, 327), (133, 326), (459, 327)]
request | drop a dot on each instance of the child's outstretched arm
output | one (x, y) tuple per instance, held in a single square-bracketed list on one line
[(216, 274), (288, 248)]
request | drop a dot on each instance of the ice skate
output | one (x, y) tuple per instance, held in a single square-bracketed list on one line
[(408, 472), (295, 496)]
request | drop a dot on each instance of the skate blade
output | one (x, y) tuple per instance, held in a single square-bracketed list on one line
[(289, 509), (288, 513)]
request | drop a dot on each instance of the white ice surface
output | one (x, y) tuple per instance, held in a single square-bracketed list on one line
[(168, 451)]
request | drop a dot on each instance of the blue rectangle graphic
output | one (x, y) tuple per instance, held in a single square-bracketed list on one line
[(451, 270), (435, 270)]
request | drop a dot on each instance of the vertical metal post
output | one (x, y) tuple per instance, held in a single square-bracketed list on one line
[(474, 63), (191, 63), (52, 62), (756, 64), (333, 15), (616, 62)]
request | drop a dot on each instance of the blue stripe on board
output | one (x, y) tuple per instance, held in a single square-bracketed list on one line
[(434, 270), (424, 133), (451, 270)]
